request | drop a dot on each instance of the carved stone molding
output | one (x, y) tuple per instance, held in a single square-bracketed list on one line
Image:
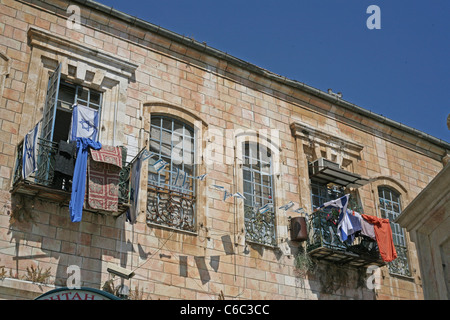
[(79, 52), (314, 137)]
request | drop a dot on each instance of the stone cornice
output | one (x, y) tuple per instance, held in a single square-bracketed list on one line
[(49, 41), (312, 135)]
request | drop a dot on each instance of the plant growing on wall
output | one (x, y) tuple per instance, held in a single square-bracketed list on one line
[(37, 275), (2, 272), (303, 262)]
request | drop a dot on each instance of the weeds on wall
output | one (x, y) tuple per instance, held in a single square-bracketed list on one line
[(37, 275), (331, 276), (21, 211), (303, 263), (2, 273)]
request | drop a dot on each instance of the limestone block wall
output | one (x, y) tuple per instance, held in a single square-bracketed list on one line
[(143, 72)]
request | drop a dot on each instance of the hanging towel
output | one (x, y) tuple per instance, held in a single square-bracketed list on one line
[(29, 158), (367, 228), (79, 177), (383, 234), (64, 164), (104, 168), (356, 225), (84, 123), (65, 157)]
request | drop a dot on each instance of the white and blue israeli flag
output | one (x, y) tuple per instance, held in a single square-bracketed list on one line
[(159, 165), (227, 195), (265, 208), (29, 158), (146, 154), (84, 123), (239, 195), (299, 210), (216, 186), (180, 178), (202, 177), (287, 206)]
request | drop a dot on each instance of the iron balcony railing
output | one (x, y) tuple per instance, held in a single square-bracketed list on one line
[(44, 176), (323, 242), (260, 227)]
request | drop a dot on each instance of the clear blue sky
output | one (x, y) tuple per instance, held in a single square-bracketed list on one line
[(401, 71)]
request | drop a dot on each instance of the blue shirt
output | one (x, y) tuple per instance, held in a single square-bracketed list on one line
[(79, 177)]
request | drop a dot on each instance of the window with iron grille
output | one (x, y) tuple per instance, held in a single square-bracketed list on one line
[(390, 208), (171, 199), (321, 193), (258, 192)]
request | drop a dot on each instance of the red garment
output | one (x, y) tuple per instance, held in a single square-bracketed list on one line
[(383, 233)]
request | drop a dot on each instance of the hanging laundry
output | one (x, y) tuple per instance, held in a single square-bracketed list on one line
[(104, 166), (366, 227), (383, 234), (79, 177), (30, 151), (356, 226), (84, 123), (64, 164)]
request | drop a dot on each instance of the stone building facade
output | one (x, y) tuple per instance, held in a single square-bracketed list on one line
[(232, 120)]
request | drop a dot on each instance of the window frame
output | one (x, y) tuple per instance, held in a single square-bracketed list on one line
[(167, 187), (398, 233), (251, 209)]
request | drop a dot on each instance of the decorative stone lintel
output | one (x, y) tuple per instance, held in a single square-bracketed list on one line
[(50, 41), (312, 135)]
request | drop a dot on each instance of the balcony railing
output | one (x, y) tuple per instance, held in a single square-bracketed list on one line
[(42, 182), (170, 208), (259, 227), (324, 244)]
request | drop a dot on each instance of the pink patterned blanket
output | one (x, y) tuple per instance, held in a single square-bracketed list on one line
[(104, 167)]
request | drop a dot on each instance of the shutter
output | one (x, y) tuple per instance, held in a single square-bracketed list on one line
[(43, 174), (48, 120)]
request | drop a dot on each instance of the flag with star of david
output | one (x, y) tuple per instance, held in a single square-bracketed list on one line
[(29, 159), (84, 123)]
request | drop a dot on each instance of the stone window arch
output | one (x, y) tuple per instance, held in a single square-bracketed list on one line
[(390, 199), (174, 135)]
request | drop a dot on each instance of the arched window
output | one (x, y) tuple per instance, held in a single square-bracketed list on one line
[(171, 187), (259, 207), (390, 208)]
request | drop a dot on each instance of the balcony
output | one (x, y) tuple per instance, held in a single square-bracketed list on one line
[(324, 244), (42, 182)]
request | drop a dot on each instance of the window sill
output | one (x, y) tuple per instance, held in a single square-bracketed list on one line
[(401, 276), (152, 224), (275, 247)]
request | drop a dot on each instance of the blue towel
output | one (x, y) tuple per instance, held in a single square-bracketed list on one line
[(79, 177)]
